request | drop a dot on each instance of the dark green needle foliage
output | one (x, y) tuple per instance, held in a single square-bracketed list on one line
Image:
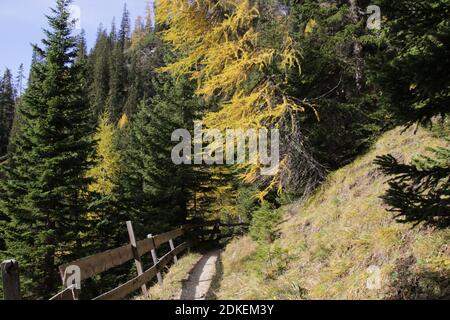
[(44, 191), (420, 191), (412, 71), (7, 106)]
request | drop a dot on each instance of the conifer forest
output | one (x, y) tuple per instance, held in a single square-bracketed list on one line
[(316, 130)]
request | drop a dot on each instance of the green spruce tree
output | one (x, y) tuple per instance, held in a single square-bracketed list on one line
[(333, 41), (412, 67), (420, 191), (99, 76), (7, 106), (118, 79), (412, 70), (153, 190), (145, 59), (20, 81), (44, 192)]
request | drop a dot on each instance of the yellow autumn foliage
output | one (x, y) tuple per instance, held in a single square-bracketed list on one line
[(138, 34), (310, 26), (224, 49), (107, 166), (123, 121)]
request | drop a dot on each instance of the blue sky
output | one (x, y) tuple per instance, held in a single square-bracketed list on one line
[(21, 23)]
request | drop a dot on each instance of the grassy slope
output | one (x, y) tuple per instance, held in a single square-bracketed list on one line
[(327, 245)]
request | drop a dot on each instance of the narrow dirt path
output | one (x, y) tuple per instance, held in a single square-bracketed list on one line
[(200, 278)]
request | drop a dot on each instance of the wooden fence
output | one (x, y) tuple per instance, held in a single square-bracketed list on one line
[(91, 266)]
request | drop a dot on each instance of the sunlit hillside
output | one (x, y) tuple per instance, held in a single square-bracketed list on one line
[(333, 246)]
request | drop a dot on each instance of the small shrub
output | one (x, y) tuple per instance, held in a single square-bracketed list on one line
[(264, 222), (271, 261)]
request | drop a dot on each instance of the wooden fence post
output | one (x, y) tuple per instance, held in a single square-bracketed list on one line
[(137, 258), (155, 261), (185, 230), (172, 247), (11, 280)]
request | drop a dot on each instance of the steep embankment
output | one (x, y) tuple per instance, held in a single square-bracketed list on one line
[(343, 243)]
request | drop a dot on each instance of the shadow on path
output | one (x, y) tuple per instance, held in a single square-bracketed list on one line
[(200, 280)]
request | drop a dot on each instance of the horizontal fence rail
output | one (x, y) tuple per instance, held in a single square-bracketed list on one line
[(96, 264), (134, 284), (101, 262)]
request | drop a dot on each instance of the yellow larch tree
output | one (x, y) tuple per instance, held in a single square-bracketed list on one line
[(241, 52), (104, 172), (139, 32)]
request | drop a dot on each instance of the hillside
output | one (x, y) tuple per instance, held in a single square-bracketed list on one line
[(330, 247)]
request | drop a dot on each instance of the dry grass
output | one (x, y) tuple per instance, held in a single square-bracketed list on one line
[(325, 250), (238, 281)]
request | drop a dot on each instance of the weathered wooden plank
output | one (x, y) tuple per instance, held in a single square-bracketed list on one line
[(144, 246), (104, 261), (70, 293), (164, 261), (224, 236), (165, 237), (11, 279), (134, 284), (101, 262)]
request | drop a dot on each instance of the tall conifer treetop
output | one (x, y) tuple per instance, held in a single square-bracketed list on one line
[(44, 194), (7, 106)]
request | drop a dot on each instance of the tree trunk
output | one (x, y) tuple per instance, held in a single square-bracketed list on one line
[(355, 17)]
